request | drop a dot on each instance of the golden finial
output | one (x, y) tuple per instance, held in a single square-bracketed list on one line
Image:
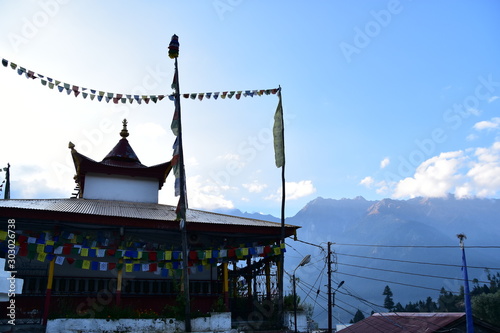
[(124, 132)]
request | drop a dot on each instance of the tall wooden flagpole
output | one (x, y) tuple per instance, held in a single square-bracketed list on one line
[(180, 181), (279, 154)]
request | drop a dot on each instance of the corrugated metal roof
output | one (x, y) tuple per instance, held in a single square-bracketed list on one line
[(136, 210), (408, 322)]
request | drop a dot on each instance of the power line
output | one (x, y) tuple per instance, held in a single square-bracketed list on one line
[(403, 284), (414, 262), (423, 320), (425, 246), (324, 298), (408, 273), (407, 246), (387, 318), (363, 300), (352, 306), (301, 241), (373, 306)]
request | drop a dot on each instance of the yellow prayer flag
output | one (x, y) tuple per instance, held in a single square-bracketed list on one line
[(168, 255), (84, 252), (86, 264), (129, 267), (40, 248), (41, 257)]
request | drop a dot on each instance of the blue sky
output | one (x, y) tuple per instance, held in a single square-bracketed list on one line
[(381, 98)]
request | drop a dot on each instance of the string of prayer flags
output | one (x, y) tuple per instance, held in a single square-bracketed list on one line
[(47, 246), (119, 98)]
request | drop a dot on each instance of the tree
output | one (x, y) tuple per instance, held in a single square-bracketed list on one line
[(410, 307), (487, 307), (428, 306), (358, 316), (388, 301), (399, 308), (447, 302)]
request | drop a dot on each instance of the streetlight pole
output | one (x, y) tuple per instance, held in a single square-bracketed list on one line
[(294, 304), (338, 286), (330, 307), (304, 261)]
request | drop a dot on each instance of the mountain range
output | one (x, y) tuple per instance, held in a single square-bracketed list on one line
[(409, 245)]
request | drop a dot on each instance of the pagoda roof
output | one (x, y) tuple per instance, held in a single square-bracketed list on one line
[(121, 160), (123, 155)]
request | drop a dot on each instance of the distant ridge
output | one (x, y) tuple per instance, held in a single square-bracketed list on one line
[(424, 229)]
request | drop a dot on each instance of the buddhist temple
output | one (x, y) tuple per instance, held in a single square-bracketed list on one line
[(113, 244)]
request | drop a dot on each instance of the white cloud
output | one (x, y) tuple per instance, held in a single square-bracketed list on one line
[(493, 98), (367, 181), (299, 189), (294, 190), (254, 187), (467, 173), (494, 123), (192, 161), (38, 189), (383, 188), (484, 174), (471, 137), (150, 130), (202, 194), (435, 177), (385, 162), (229, 157)]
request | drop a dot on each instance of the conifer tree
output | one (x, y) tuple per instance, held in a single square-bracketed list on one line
[(388, 301), (358, 316)]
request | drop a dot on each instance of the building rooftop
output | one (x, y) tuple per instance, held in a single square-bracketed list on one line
[(108, 211), (413, 322)]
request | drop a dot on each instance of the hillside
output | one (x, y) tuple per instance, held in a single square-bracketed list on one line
[(414, 248)]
